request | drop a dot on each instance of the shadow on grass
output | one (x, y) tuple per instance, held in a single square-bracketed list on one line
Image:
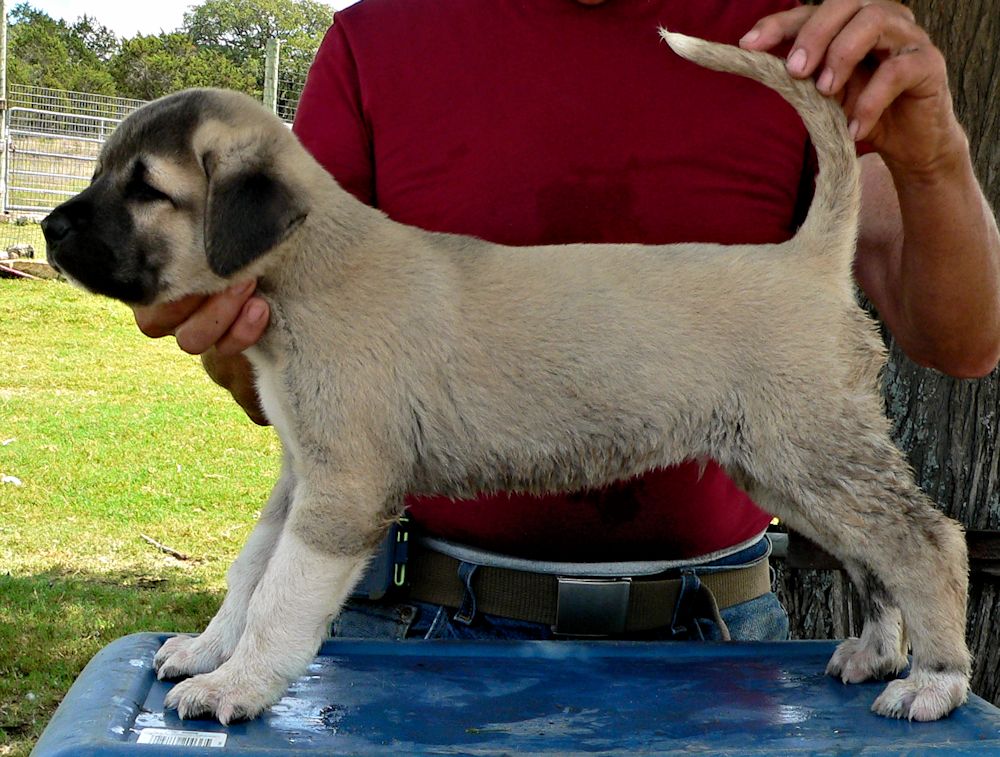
[(52, 623)]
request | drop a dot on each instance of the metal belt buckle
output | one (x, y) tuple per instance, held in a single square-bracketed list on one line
[(592, 606)]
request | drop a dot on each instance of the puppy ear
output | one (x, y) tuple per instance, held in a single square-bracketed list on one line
[(249, 211)]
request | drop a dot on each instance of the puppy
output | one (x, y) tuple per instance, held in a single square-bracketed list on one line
[(401, 361)]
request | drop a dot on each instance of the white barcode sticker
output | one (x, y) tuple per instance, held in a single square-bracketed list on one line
[(168, 737)]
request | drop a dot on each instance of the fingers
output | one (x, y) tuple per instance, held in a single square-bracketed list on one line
[(772, 30), (231, 320), (836, 35), (211, 322), (841, 33), (878, 62), (860, 37), (909, 71), (160, 320), (247, 329), (219, 328)]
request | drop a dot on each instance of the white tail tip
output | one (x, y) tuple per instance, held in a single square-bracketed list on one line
[(679, 43)]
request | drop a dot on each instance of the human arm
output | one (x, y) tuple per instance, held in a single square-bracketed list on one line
[(927, 259), (929, 250), (218, 328)]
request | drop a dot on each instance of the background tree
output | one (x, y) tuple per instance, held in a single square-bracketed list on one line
[(240, 31), (147, 67), (948, 428), (48, 53), (96, 37), (221, 43)]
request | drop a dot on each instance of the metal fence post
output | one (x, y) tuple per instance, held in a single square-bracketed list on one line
[(4, 135), (272, 53)]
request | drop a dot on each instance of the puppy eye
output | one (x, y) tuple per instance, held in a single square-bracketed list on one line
[(140, 190), (143, 192)]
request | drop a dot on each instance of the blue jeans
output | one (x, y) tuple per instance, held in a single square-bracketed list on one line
[(760, 619)]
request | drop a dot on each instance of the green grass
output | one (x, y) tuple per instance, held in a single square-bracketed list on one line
[(111, 435)]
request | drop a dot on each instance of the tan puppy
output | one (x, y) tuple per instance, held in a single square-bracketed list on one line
[(400, 361)]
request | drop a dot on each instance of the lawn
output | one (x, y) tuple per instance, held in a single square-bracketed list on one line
[(106, 435)]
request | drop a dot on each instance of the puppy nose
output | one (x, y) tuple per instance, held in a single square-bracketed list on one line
[(56, 226)]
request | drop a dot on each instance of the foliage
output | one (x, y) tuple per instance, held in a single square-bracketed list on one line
[(98, 38), (220, 43), (48, 53), (240, 30), (148, 67)]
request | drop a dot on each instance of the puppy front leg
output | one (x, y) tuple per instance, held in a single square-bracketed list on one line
[(189, 655), (304, 586)]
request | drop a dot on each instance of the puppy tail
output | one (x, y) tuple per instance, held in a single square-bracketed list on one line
[(833, 216)]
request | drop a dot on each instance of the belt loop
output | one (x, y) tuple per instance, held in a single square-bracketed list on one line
[(684, 624), (467, 611), (695, 600)]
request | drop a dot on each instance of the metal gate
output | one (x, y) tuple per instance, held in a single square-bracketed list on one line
[(50, 157)]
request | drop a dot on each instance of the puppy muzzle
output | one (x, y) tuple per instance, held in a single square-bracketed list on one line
[(98, 251)]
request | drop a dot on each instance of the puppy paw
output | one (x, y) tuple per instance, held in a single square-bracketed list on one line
[(855, 661), (222, 696), (923, 696), (182, 656)]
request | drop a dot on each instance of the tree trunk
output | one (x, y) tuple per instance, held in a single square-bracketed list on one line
[(948, 428)]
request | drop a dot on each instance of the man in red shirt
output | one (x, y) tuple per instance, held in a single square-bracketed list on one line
[(549, 121)]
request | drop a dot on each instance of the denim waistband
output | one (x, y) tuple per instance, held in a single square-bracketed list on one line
[(745, 553)]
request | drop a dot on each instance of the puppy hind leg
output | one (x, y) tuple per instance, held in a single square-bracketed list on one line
[(880, 651), (933, 605), (185, 655), (852, 493)]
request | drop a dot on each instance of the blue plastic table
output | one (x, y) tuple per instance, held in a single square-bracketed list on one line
[(450, 697)]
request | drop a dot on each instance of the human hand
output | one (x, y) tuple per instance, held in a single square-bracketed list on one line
[(230, 321), (217, 327), (889, 76)]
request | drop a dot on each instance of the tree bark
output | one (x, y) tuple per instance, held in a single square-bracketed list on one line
[(948, 428)]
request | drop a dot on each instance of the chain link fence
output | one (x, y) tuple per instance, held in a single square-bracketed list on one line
[(290, 86)]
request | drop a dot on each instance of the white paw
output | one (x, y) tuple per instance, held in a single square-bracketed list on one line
[(224, 696), (855, 661), (182, 656), (923, 696)]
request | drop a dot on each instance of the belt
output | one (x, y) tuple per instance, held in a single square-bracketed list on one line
[(582, 606)]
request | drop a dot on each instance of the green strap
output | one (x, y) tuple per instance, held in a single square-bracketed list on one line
[(533, 596)]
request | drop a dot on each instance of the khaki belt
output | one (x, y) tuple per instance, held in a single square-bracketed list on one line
[(581, 606)]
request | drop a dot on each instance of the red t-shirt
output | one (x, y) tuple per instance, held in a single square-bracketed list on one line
[(546, 121)]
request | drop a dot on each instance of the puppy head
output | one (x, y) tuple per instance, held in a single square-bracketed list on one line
[(190, 193)]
